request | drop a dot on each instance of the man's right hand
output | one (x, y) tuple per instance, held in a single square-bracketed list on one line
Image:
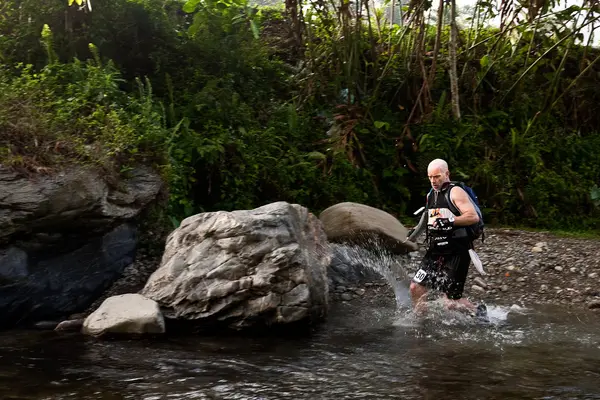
[(443, 224)]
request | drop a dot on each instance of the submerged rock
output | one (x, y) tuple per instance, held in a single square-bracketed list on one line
[(45, 325), (70, 325), (594, 304), (245, 268)]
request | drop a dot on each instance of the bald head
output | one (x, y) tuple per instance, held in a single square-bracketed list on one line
[(438, 163), (438, 173)]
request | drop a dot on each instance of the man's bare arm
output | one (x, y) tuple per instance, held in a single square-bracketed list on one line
[(468, 214)]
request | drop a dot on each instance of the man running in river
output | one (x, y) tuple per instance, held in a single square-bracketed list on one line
[(446, 263)]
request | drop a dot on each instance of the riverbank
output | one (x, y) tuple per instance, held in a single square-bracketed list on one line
[(528, 268)]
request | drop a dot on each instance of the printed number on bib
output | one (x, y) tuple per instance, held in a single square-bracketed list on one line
[(420, 275)]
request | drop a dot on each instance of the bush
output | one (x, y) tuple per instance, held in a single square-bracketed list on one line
[(76, 113)]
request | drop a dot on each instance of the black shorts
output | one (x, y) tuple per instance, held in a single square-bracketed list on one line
[(446, 273)]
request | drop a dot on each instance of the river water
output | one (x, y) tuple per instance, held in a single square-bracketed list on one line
[(363, 351)]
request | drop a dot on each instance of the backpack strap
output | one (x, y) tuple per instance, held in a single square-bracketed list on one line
[(451, 204)]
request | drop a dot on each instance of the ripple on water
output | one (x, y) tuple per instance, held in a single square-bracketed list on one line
[(535, 355), (361, 352)]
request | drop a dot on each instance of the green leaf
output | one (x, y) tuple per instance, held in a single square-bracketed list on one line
[(381, 124), (46, 32), (485, 61), (174, 221), (315, 155), (190, 6), (254, 27)]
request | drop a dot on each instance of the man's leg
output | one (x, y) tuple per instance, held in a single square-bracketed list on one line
[(418, 293), (424, 277), (458, 269)]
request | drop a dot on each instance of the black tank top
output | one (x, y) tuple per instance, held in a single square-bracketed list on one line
[(444, 242)]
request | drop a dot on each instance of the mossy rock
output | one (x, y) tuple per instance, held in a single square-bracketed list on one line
[(365, 225)]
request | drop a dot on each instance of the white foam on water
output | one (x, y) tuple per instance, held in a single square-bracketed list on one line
[(493, 336), (406, 319), (438, 315), (497, 313)]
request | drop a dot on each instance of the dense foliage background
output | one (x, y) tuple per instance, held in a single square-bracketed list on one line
[(315, 103)]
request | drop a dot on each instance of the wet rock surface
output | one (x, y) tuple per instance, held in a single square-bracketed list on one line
[(47, 213), (125, 314)]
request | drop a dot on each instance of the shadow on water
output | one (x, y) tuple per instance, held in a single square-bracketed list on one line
[(362, 351)]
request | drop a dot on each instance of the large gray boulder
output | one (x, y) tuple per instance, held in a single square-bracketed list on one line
[(366, 226), (65, 238), (245, 268)]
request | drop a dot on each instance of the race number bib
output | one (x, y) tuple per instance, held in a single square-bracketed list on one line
[(436, 213), (419, 276)]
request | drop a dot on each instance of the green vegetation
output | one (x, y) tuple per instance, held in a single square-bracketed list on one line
[(239, 105)]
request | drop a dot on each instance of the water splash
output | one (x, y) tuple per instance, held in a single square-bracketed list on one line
[(396, 271), (375, 257)]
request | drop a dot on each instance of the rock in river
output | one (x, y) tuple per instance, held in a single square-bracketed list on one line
[(245, 268), (125, 314)]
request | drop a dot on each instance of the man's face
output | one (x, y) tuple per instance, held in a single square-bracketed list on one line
[(437, 177)]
